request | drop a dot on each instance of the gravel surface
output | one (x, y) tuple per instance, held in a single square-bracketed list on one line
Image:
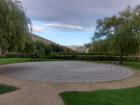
[(67, 72)]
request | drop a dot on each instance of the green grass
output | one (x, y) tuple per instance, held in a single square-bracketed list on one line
[(103, 97), (53, 60), (135, 65), (6, 89), (13, 60)]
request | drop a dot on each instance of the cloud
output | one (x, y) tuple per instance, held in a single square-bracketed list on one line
[(74, 14), (66, 27), (42, 27)]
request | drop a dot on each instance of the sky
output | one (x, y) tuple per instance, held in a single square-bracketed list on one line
[(70, 22)]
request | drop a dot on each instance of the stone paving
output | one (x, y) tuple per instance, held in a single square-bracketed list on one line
[(67, 71)]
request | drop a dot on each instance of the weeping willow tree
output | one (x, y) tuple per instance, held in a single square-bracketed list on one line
[(122, 31), (14, 25)]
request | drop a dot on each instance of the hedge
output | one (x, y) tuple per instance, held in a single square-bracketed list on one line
[(15, 55), (92, 57), (75, 56), (73, 53)]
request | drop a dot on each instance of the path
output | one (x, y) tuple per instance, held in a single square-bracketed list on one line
[(46, 93)]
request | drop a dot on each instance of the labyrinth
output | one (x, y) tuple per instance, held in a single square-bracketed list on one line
[(66, 71)]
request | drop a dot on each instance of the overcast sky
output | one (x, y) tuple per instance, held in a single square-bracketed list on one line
[(71, 22)]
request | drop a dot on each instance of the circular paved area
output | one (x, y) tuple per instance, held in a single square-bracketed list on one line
[(67, 71)]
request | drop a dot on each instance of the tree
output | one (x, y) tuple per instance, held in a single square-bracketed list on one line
[(87, 45), (13, 25), (101, 47), (47, 50), (39, 48), (29, 48), (123, 30)]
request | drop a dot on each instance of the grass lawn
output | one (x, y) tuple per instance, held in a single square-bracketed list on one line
[(105, 97), (135, 65), (6, 89), (13, 60)]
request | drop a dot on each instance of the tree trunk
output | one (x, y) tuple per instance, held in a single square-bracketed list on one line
[(121, 57)]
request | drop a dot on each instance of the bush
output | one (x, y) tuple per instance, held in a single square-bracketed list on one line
[(74, 53), (15, 55), (57, 56), (75, 56), (131, 58), (84, 57), (91, 57), (98, 58)]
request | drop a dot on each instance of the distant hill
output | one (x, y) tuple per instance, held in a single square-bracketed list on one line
[(44, 40), (80, 49), (48, 42)]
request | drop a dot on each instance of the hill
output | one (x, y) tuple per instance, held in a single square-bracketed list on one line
[(44, 40)]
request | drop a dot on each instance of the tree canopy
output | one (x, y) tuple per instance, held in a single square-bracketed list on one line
[(121, 31), (14, 25)]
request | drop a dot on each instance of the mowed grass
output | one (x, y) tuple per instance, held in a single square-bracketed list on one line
[(129, 96), (6, 89), (135, 65), (13, 60), (103, 97)]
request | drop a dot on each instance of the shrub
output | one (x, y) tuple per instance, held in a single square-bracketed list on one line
[(91, 57), (15, 55)]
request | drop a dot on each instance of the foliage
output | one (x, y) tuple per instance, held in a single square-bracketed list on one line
[(118, 33), (101, 46), (29, 47), (15, 55), (59, 48), (15, 35), (41, 49), (91, 57), (14, 25), (87, 45), (75, 53)]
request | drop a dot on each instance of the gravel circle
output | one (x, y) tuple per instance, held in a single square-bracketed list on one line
[(67, 71)]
